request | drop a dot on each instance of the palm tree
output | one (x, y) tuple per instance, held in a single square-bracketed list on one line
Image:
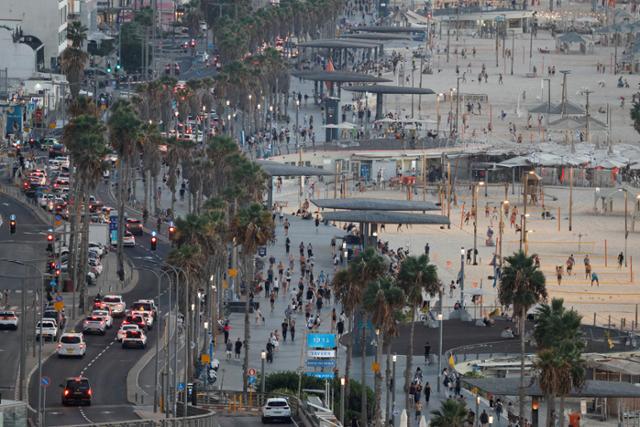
[(365, 268), (452, 413), (560, 365), (522, 285), (350, 297), (73, 58), (251, 228), (381, 299), (416, 276), (84, 138), (124, 128)]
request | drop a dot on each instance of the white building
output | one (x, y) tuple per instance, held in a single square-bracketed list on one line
[(23, 58), (43, 25)]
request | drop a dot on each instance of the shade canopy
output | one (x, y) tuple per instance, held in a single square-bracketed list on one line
[(390, 29), (577, 122), (391, 90), (339, 77), (272, 168), (385, 217), (340, 44), (592, 388), (571, 37), (375, 36), (566, 107), (376, 204)]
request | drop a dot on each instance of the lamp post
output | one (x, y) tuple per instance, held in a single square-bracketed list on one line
[(440, 319), (461, 278), (457, 105), (476, 420), (475, 221), (394, 359), (438, 97), (343, 382), (523, 231), (626, 223), (263, 357)]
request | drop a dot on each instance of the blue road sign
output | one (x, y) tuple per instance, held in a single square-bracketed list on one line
[(45, 381), (180, 386), (321, 340), (321, 363), (52, 283), (59, 298), (321, 375), (251, 379), (12, 217)]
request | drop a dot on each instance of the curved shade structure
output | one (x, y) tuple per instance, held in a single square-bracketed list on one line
[(376, 204)]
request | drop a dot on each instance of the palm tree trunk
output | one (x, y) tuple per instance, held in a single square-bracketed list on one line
[(387, 381), (84, 253), (348, 360), (122, 191), (523, 313), (73, 239), (363, 367), (407, 372), (147, 176), (378, 382), (247, 323), (561, 414), (154, 191)]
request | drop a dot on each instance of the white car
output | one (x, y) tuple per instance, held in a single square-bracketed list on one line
[(134, 339), (71, 344), (9, 320), (94, 324), (146, 315), (104, 314), (98, 248), (127, 327), (128, 240), (95, 266), (116, 304), (47, 329), (276, 408)]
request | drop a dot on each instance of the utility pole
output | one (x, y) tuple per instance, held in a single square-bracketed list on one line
[(457, 105), (513, 48), (497, 42), (587, 92), (448, 39), (564, 91)]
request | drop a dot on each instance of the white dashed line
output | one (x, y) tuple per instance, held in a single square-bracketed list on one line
[(84, 416)]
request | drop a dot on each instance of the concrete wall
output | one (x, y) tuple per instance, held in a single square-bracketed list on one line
[(23, 59), (46, 20)]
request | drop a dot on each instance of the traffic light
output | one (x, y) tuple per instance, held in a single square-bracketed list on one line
[(109, 67), (57, 276), (118, 66), (51, 267), (12, 226), (50, 241), (154, 241)]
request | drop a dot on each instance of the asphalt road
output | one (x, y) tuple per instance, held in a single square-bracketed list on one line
[(105, 364), (244, 421), (28, 243)]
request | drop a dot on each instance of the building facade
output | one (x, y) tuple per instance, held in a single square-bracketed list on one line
[(40, 24)]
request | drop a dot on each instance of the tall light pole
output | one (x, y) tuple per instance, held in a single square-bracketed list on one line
[(263, 357), (501, 230), (457, 106), (626, 223), (461, 279), (475, 221), (343, 382), (438, 97), (440, 319)]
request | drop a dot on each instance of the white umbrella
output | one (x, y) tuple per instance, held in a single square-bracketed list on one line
[(403, 418), (423, 422), (330, 126)]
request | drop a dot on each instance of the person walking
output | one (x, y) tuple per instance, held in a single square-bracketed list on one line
[(292, 329), (620, 259), (225, 330), (498, 408), (285, 328), (229, 347), (427, 352), (287, 245), (238, 348), (427, 393), (559, 274), (418, 410), (484, 418)]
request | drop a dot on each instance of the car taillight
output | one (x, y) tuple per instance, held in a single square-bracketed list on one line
[(59, 346), (66, 392), (90, 392), (83, 345)]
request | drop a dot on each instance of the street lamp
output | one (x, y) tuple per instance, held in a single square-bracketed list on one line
[(475, 220), (461, 278), (263, 357), (626, 224), (523, 230), (476, 420), (394, 359), (343, 383), (438, 97), (440, 319)]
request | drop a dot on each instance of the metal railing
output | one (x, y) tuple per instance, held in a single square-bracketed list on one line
[(204, 420)]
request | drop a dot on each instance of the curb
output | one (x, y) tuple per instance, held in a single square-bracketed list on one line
[(133, 376)]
